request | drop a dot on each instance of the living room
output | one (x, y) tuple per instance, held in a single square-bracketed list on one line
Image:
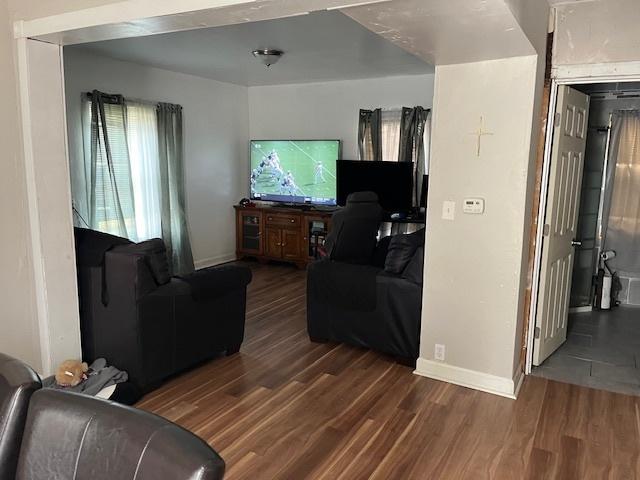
[(236, 111), (285, 407), (131, 179)]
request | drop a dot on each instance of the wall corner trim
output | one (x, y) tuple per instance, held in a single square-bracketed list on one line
[(485, 382), (18, 29)]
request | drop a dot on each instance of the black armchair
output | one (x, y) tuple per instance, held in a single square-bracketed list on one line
[(369, 297), (150, 324)]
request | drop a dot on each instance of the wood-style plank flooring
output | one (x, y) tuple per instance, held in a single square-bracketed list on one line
[(287, 408)]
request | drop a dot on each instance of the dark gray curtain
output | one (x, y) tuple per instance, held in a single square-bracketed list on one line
[(109, 190), (370, 134), (412, 148), (172, 191)]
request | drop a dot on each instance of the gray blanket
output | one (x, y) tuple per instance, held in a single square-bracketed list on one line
[(99, 376)]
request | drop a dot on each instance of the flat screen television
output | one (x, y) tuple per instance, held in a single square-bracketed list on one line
[(392, 181), (294, 171)]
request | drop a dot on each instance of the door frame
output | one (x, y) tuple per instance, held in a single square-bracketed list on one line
[(59, 335), (564, 75)]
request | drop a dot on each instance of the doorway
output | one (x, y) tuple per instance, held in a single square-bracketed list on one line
[(578, 338), (42, 91)]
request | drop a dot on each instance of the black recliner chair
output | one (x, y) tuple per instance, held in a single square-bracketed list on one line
[(365, 293), (18, 382), (73, 436), (144, 321), (46, 433), (354, 229)]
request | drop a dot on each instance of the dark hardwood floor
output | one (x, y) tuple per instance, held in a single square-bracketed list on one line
[(287, 408)]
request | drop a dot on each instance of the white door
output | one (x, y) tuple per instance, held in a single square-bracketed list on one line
[(561, 218)]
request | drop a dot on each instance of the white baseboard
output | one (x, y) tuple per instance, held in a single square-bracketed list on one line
[(519, 380), (485, 382), (212, 261)]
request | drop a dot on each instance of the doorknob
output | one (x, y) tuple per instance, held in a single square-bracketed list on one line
[(576, 243)]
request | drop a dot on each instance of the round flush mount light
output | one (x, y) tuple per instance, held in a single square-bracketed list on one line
[(268, 56)]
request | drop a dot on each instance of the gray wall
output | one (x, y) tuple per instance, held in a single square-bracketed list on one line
[(583, 267)]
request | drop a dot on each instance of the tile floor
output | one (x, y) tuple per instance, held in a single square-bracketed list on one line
[(602, 351)]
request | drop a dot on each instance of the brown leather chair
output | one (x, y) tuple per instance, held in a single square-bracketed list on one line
[(17, 383), (71, 436)]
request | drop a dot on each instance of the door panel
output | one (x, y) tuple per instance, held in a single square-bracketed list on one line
[(291, 244), (273, 244), (565, 181)]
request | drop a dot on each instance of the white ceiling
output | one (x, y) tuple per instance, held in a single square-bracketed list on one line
[(321, 46)]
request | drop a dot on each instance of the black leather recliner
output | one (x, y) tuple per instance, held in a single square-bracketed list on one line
[(354, 229), (18, 382), (73, 436), (142, 320), (46, 433), (353, 298)]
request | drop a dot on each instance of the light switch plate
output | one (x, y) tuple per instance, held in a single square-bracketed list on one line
[(448, 210)]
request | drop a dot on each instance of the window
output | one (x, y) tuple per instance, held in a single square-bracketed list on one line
[(132, 190), (142, 138), (391, 134), (391, 120)]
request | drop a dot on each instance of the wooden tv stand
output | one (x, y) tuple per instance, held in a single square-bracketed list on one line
[(286, 234)]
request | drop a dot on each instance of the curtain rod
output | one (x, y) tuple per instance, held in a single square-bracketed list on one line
[(115, 97), (107, 96)]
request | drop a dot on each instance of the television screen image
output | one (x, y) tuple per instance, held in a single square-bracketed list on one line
[(296, 171)]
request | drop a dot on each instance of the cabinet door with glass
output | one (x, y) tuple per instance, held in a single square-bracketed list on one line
[(250, 232)]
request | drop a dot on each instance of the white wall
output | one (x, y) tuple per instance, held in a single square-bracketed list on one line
[(48, 181), (602, 31), (19, 329), (330, 110), (476, 265), (215, 139), (473, 286)]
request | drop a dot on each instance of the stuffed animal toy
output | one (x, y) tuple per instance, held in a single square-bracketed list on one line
[(71, 373)]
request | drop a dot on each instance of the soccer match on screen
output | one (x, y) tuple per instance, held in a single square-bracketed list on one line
[(298, 171)]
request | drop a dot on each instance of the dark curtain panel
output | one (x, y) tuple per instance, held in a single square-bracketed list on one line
[(109, 190), (370, 134), (172, 190), (412, 148)]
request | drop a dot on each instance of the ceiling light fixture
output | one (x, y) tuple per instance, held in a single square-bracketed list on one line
[(268, 56)]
